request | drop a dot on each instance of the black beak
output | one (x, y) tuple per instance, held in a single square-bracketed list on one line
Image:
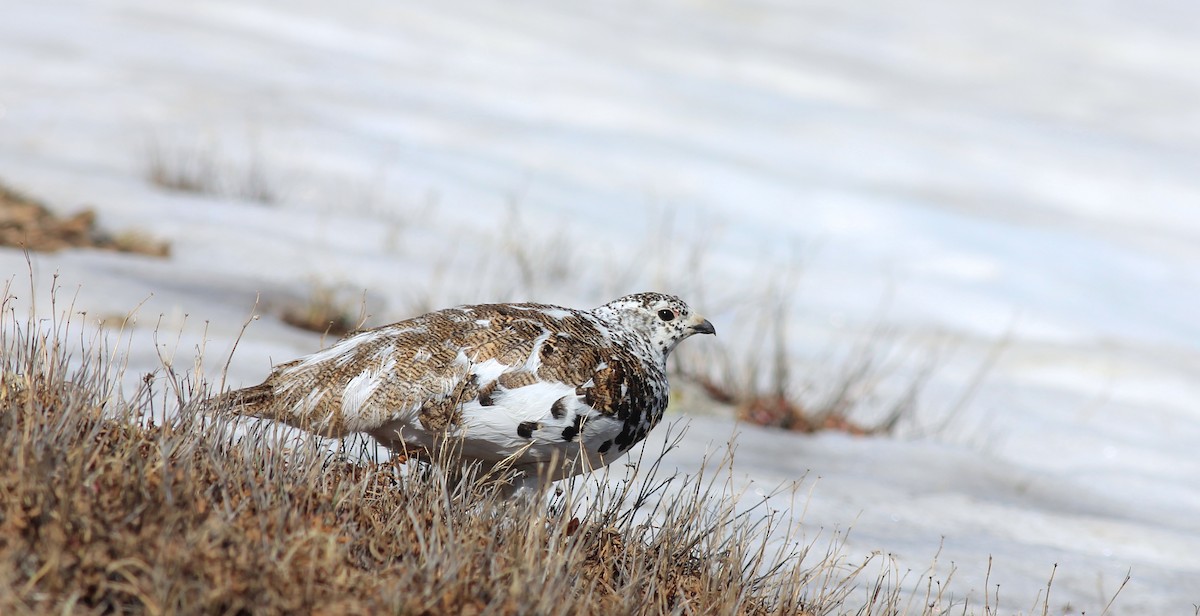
[(705, 327)]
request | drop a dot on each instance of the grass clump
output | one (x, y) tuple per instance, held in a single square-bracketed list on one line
[(328, 309), (103, 509), (756, 376), (200, 167), (27, 223)]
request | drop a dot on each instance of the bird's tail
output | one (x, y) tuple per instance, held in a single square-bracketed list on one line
[(256, 401), (265, 402)]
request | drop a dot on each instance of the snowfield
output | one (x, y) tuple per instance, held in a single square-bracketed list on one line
[(1013, 189)]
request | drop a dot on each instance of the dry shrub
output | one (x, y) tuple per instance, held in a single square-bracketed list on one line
[(776, 411), (752, 370), (28, 223)]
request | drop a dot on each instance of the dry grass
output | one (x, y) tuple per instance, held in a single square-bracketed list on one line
[(756, 374), (196, 166), (330, 310), (539, 260), (105, 510), (27, 223)]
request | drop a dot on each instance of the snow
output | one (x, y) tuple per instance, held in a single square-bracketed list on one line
[(1022, 174)]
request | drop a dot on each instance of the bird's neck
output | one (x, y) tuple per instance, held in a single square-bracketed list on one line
[(639, 343)]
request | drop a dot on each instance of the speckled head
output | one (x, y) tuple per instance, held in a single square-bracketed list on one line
[(665, 320)]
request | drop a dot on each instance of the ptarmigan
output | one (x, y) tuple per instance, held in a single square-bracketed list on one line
[(554, 391)]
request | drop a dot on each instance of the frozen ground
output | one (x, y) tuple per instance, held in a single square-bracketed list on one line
[(1024, 172)]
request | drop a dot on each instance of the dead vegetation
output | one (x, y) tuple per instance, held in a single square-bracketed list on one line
[(196, 166), (838, 407), (103, 509), (329, 310), (756, 374), (27, 223)]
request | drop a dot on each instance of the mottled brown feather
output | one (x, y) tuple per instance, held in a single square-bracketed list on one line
[(424, 372)]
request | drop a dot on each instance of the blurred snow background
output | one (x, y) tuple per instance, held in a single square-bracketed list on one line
[(1016, 181)]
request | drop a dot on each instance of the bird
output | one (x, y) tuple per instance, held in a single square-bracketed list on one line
[(548, 391)]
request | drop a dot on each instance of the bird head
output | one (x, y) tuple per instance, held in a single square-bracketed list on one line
[(664, 319)]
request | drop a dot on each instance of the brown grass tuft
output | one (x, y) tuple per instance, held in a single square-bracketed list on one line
[(327, 310), (28, 223), (756, 376), (776, 411), (103, 509), (199, 167)]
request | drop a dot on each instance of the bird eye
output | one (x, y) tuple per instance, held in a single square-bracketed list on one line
[(666, 315)]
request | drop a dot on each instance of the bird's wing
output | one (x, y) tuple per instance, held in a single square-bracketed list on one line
[(563, 382)]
